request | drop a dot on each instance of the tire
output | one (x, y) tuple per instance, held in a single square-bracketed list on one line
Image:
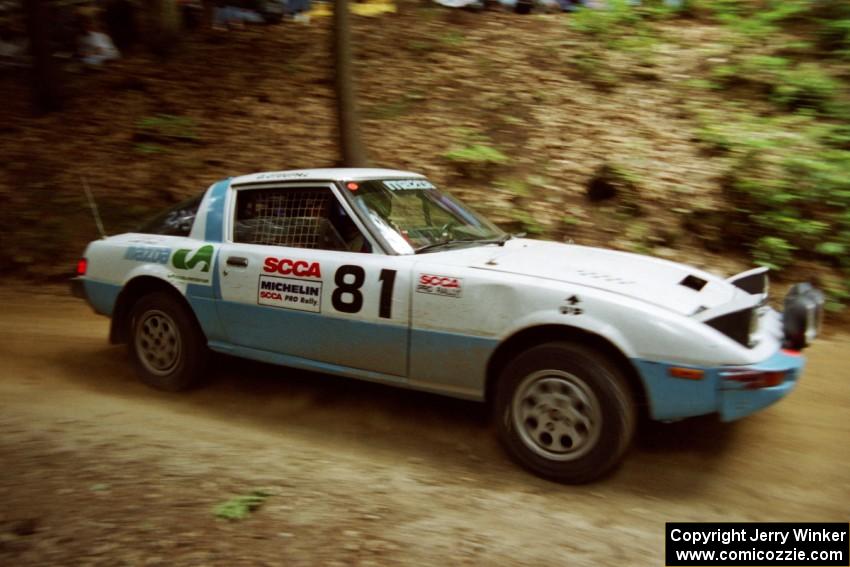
[(167, 346), (564, 412)]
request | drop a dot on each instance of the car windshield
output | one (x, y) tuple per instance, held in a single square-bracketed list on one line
[(414, 216)]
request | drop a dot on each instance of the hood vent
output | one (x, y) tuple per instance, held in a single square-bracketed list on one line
[(609, 278), (693, 282)]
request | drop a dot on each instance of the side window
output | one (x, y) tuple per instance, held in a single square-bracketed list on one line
[(176, 221), (299, 217)]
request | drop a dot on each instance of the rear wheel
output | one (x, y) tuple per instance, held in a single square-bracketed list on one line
[(168, 348), (564, 412)]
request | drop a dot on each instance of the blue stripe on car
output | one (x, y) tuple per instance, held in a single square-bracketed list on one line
[(304, 363), (455, 362), (440, 362), (203, 299), (437, 359), (379, 347), (215, 212)]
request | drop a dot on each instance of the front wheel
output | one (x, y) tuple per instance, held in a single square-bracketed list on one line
[(167, 346), (564, 412)]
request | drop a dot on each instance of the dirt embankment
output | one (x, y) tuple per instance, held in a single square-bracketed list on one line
[(144, 133), (99, 470)]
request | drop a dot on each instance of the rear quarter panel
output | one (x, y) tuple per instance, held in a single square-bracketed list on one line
[(114, 261)]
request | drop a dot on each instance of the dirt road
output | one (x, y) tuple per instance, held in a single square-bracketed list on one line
[(97, 469)]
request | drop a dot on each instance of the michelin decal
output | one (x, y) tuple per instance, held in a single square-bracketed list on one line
[(290, 293), (296, 292)]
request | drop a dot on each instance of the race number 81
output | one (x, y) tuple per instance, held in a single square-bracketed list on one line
[(347, 297)]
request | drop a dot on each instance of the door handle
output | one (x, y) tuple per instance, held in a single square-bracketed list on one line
[(237, 261)]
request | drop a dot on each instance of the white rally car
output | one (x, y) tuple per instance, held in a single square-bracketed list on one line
[(376, 274)]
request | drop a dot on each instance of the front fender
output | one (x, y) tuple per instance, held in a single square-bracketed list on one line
[(640, 330)]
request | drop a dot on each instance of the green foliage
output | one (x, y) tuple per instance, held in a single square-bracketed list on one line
[(832, 26), (835, 36), (637, 237), (527, 222), (607, 23), (421, 46), (755, 24), (476, 153), (166, 127), (788, 85), (239, 507), (835, 249), (837, 293), (393, 108), (592, 68), (762, 23), (475, 156), (788, 186), (516, 187), (773, 252), (149, 148), (805, 86), (452, 39)]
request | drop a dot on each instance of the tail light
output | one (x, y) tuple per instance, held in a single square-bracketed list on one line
[(755, 379), (82, 265)]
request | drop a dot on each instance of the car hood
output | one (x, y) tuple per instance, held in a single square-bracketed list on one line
[(652, 280)]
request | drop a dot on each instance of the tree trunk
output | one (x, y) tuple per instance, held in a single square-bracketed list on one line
[(207, 11), (352, 151), (46, 85), (163, 26)]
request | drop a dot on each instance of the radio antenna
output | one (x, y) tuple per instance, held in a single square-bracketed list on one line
[(93, 207)]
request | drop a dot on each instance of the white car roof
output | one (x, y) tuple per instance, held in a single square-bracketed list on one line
[(329, 174)]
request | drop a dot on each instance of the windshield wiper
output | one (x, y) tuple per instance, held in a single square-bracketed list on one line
[(500, 241), (448, 242)]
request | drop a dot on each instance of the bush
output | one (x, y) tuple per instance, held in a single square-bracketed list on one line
[(606, 23), (805, 86), (788, 191), (773, 252), (474, 156), (789, 86)]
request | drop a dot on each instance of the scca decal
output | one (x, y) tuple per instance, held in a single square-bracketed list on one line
[(443, 281), (298, 268), (446, 286)]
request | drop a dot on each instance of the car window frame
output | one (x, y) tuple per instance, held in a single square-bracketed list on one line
[(347, 197), (144, 227), (377, 247)]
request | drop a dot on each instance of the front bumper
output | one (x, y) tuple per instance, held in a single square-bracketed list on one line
[(737, 400), (721, 389), (676, 391)]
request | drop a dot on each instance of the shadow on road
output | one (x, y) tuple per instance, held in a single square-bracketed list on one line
[(443, 433)]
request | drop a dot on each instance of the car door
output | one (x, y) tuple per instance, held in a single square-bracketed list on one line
[(299, 278)]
